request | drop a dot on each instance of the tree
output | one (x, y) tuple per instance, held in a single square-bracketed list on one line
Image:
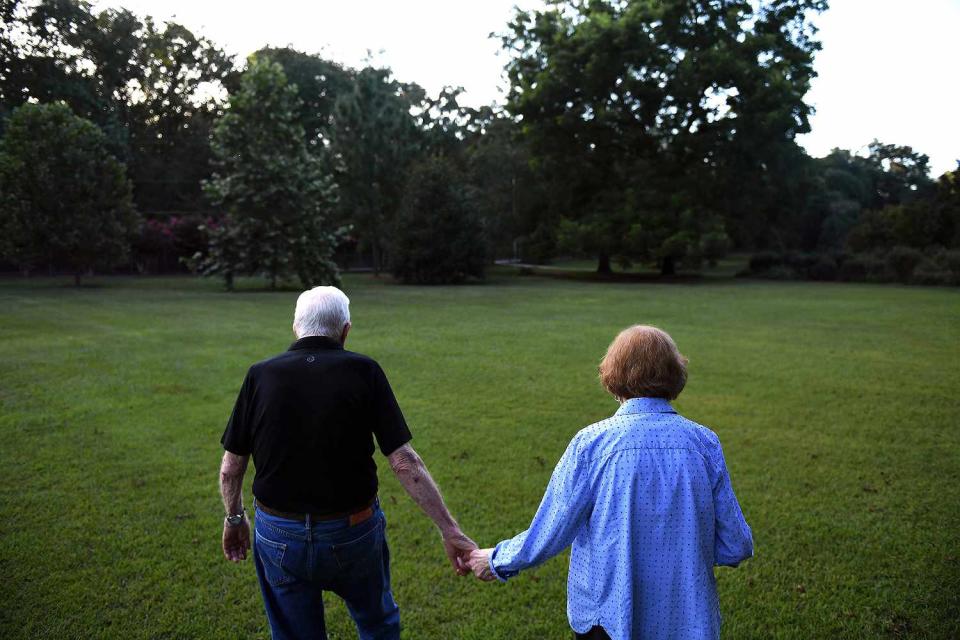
[(930, 219), (275, 196), (649, 119), (375, 139), (899, 174), (438, 236), (867, 201), (319, 83), (154, 90), (171, 106), (66, 200), (508, 194)]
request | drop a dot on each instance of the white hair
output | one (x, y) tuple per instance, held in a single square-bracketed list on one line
[(321, 311)]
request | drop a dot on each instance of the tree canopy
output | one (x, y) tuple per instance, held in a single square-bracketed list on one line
[(64, 198), (658, 132), (639, 114)]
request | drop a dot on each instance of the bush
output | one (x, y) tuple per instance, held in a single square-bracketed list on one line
[(901, 264), (800, 262), (825, 269), (931, 272), (64, 198), (902, 261), (781, 272), (940, 267), (713, 246), (439, 234), (166, 243), (951, 260), (765, 261), (854, 269)]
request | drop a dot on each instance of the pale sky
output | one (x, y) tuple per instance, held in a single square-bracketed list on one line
[(888, 68)]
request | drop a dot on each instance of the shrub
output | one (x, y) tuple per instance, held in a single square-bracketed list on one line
[(439, 234), (902, 261), (930, 271), (853, 269), (781, 272), (863, 267), (800, 262), (941, 267), (951, 260), (825, 268), (764, 261), (64, 198), (713, 246)]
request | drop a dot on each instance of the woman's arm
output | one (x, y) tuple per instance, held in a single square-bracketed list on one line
[(733, 542), (565, 506)]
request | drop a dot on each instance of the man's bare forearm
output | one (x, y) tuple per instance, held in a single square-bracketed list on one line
[(232, 470), (418, 483)]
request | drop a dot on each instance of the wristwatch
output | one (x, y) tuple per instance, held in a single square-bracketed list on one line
[(235, 519)]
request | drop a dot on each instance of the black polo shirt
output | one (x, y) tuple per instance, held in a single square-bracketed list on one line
[(309, 416)]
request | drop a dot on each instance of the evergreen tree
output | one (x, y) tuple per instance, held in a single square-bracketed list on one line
[(275, 197), (438, 237)]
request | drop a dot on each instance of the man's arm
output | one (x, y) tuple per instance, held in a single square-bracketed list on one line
[(418, 483), (236, 538)]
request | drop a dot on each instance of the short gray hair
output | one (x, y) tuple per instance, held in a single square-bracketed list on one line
[(321, 311)]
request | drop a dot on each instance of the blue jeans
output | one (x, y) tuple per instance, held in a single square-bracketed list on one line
[(297, 561)]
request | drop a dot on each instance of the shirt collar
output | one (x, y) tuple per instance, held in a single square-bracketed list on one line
[(645, 405), (316, 342)]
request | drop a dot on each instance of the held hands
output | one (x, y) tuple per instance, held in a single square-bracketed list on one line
[(480, 564), (236, 540), (458, 548), (465, 556)]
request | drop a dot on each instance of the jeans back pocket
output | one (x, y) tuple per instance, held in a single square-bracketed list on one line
[(271, 555), (362, 555)]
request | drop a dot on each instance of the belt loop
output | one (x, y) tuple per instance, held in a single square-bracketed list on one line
[(309, 524)]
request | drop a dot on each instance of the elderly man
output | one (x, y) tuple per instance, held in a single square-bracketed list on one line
[(645, 499), (309, 417)]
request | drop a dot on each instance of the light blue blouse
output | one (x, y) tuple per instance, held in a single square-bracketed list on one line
[(645, 498)]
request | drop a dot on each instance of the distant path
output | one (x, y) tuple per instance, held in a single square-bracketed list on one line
[(527, 265)]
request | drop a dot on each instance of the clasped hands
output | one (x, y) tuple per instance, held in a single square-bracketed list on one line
[(466, 557)]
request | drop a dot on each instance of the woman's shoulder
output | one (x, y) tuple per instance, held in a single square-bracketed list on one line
[(667, 431)]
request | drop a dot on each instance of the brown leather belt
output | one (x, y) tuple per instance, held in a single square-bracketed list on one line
[(356, 517)]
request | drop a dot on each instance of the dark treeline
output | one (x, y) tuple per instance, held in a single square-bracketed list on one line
[(649, 132)]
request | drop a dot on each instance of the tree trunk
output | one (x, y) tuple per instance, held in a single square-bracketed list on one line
[(76, 278), (668, 267), (228, 281), (603, 264)]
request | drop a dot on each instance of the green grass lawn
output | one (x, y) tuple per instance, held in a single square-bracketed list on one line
[(837, 406)]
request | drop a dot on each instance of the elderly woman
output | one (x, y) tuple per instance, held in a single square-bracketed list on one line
[(645, 499)]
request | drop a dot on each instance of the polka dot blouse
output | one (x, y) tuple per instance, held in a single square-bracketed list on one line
[(645, 499)]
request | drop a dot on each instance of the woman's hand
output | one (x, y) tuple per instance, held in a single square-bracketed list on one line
[(480, 564)]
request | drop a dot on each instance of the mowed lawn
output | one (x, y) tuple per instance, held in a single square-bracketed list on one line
[(837, 405)]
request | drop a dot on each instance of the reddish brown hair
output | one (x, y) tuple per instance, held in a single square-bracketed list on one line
[(643, 362)]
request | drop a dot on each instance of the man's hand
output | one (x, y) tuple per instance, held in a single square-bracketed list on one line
[(480, 564), (418, 483), (458, 548), (236, 540)]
